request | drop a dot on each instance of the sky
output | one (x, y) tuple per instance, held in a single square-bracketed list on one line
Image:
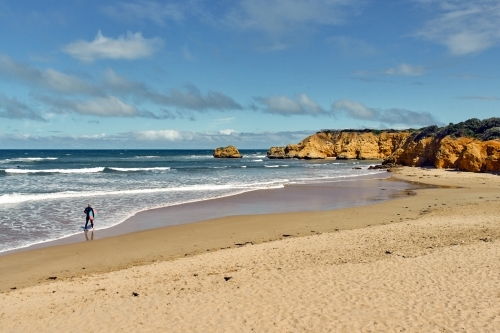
[(252, 73)]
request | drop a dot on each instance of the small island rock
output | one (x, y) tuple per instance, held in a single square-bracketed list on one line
[(227, 152)]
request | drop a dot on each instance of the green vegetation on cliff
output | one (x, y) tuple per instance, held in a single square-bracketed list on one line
[(487, 129), (367, 130)]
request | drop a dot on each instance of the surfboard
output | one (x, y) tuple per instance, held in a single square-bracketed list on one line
[(92, 214)]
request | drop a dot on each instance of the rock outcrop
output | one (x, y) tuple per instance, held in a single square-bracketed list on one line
[(467, 154), (466, 146), (343, 145), (227, 152)]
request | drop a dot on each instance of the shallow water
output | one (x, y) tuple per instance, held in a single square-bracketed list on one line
[(43, 192)]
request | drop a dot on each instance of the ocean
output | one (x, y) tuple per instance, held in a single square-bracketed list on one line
[(43, 192)]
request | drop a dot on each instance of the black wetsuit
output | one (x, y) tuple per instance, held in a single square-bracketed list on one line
[(87, 211)]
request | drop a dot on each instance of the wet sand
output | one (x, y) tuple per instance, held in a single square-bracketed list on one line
[(349, 192), (425, 262)]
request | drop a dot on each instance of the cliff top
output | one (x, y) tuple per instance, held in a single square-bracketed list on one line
[(487, 129)]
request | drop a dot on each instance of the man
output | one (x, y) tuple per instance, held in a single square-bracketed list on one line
[(89, 212)]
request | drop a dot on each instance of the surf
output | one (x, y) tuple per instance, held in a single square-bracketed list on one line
[(82, 170)]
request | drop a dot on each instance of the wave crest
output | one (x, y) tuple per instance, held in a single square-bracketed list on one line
[(83, 170)]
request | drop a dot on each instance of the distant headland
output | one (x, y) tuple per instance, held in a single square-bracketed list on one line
[(472, 145)]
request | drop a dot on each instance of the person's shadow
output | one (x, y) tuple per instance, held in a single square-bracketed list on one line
[(87, 235)]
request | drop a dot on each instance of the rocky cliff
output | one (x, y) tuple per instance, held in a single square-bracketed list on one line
[(473, 145), (343, 145), (227, 152)]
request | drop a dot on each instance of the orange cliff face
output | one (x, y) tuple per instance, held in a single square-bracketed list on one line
[(480, 156), (467, 154), (342, 145)]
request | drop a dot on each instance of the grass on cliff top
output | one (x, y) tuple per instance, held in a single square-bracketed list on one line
[(487, 129)]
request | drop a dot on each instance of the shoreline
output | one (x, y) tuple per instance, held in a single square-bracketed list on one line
[(263, 201), (415, 263), (30, 267)]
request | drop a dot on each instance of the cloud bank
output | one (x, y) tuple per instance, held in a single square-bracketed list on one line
[(462, 26), (48, 79), (13, 109), (155, 139), (110, 96), (285, 106), (395, 116)]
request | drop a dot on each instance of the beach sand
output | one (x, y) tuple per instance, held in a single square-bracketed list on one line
[(420, 263)]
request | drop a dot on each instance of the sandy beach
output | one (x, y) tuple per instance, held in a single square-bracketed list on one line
[(418, 263)]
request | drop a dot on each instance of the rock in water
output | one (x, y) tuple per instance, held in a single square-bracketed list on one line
[(227, 152)]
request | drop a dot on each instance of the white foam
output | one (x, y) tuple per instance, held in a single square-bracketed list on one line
[(83, 170), (259, 160), (271, 166), (147, 156), (27, 159), (256, 156), (121, 220), (139, 169), (198, 156), (20, 197)]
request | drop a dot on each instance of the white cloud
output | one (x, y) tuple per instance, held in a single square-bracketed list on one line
[(118, 83), (166, 138), (406, 117), (227, 132), (130, 47), (282, 105), (160, 135), (201, 138), (48, 79), (353, 109), (191, 98), (405, 70), (224, 120), (109, 106), (54, 84), (463, 26), (394, 116)]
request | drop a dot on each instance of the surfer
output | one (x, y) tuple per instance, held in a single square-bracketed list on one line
[(90, 216)]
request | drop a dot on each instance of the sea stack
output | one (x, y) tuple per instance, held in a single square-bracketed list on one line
[(227, 152)]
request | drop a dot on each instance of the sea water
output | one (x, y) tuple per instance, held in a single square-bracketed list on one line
[(43, 192)]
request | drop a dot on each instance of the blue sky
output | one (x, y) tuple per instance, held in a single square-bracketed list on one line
[(253, 73)]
